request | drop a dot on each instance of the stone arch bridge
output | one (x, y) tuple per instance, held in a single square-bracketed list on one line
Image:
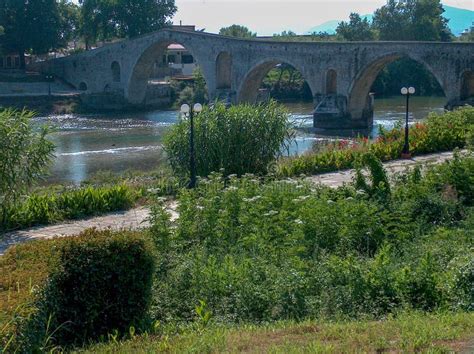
[(339, 74)]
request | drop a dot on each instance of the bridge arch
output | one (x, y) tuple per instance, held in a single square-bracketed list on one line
[(467, 85), (142, 69), (224, 71), (250, 84), (362, 83)]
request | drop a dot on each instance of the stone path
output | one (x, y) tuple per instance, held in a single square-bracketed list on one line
[(137, 218)]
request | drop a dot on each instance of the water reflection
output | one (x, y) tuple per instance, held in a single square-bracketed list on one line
[(86, 144)]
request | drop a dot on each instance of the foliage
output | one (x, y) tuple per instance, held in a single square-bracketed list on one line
[(440, 132), (106, 19), (238, 140), (101, 282), (290, 36), (408, 332), (237, 31), (357, 29), (420, 20), (41, 209), (24, 155), (35, 26), (286, 83), (406, 72), (250, 250)]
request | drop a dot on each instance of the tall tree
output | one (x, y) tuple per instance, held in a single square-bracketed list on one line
[(106, 19), (412, 20), (31, 26), (237, 31), (135, 18), (357, 29)]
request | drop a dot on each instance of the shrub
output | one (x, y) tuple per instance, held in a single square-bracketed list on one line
[(24, 155), (102, 283), (241, 139)]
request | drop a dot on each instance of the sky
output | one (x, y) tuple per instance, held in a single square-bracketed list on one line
[(267, 17)]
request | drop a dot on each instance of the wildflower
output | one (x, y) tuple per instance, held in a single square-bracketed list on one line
[(271, 213), (298, 221), (233, 188)]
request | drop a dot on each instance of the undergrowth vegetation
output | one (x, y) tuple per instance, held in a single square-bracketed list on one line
[(288, 250), (252, 250), (73, 203), (440, 132)]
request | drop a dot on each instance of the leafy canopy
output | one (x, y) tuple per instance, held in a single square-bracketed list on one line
[(237, 31), (357, 29), (412, 20)]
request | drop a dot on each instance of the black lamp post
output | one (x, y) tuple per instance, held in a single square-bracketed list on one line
[(406, 147), (189, 112), (50, 79)]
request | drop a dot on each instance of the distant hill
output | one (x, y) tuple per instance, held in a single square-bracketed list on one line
[(459, 20)]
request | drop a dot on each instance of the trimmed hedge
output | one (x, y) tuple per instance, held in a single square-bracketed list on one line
[(101, 285)]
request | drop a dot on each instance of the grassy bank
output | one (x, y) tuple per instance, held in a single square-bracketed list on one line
[(440, 132), (407, 332)]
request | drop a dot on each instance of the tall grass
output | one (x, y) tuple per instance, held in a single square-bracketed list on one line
[(241, 139), (42, 209)]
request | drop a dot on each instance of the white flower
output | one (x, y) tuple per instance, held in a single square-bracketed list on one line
[(298, 221), (233, 188), (271, 213)]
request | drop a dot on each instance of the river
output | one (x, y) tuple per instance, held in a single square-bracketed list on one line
[(87, 144)]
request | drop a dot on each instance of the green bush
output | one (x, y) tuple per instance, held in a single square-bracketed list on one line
[(101, 285), (241, 139), (440, 132)]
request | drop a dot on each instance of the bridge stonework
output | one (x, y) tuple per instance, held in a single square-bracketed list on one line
[(339, 74)]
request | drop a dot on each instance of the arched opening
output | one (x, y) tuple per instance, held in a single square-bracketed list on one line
[(277, 80), (224, 71), (331, 82), (82, 86), (115, 67), (467, 85), (165, 74), (383, 79)]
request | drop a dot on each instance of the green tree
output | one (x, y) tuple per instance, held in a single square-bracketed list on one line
[(412, 20), (135, 18), (237, 31), (107, 19), (24, 155), (31, 26), (357, 29)]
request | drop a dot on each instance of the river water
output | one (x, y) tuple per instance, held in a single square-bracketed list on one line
[(87, 144)]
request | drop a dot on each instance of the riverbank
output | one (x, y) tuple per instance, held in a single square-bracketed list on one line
[(137, 218), (44, 104)]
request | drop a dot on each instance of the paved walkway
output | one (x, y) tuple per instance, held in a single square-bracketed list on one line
[(137, 218)]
